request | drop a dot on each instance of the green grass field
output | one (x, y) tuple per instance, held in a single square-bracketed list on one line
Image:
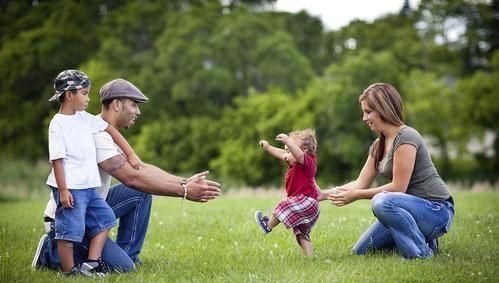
[(219, 242)]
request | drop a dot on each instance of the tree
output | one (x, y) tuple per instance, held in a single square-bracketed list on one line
[(255, 117), (185, 62), (431, 105), (30, 60), (179, 145), (466, 29), (395, 34), (344, 139), (277, 63), (307, 34), (479, 94)]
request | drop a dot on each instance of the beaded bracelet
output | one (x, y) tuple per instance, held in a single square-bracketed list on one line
[(185, 191)]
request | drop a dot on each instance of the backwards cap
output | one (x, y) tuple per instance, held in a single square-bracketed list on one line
[(69, 80)]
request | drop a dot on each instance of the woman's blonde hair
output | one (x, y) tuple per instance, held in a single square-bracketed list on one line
[(307, 138), (384, 99)]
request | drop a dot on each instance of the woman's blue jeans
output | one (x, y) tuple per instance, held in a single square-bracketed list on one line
[(133, 208), (407, 223)]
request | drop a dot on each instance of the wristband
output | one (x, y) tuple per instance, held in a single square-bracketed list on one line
[(183, 181), (185, 191)]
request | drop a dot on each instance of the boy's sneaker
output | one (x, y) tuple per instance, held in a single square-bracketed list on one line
[(262, 221), (94, 268), (36, 264), (73, 272)]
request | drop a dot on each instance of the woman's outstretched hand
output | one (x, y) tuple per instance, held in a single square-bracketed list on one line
[(342, 197)]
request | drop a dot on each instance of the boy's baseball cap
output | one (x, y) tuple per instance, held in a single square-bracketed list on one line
[(69, 80), (121, 88)]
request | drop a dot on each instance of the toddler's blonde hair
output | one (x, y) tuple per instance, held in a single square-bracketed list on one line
[(307, 139)]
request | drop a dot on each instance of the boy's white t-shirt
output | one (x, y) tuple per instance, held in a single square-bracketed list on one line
[(105, 148), (71, 138)]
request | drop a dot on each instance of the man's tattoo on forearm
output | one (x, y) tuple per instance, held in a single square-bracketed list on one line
[(115, 163)]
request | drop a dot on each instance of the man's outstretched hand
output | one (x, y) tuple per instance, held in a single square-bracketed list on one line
[(199, 189)]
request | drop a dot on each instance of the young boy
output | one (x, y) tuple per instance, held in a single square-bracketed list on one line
[(300, 209), (75, 174)]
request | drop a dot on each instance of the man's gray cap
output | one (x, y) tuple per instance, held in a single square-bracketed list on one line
[(69, 80), (120, 88)]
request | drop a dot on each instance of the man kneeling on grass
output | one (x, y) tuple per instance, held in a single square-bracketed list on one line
[(130, 200)]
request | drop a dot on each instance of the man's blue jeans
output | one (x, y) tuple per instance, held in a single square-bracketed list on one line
[(407, 223), (133, 208)]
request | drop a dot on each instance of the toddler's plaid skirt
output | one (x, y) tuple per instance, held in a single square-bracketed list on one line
[(298, 212)]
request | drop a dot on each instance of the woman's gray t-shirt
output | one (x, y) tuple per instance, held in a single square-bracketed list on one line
[(425, 181)]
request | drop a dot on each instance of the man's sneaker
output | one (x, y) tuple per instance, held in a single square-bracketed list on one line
[(94, 268), (36, 264), (262, 221), (433, 245)]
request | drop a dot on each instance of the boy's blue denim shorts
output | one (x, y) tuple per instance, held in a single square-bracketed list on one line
[(90, 214)]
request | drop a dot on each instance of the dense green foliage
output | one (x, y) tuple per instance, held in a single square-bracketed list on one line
[(220, 242), (221, 77)]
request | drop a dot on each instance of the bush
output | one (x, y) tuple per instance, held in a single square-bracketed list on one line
[(22, 179)]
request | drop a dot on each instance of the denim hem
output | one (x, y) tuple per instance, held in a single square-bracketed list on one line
[(102, 229), (69, 238), (429, 255)]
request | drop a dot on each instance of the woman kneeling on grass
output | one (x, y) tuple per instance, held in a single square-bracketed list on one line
[(415, 207)]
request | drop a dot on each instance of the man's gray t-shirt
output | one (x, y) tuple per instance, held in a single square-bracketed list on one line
[(425, 181)]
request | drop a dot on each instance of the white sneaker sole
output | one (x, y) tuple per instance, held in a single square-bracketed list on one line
[(38, 250), (257, 219), (89, 273)]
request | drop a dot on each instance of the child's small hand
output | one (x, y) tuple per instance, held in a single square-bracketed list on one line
[(135, 161), (66, 199), (264, 143), (282, 138)]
